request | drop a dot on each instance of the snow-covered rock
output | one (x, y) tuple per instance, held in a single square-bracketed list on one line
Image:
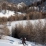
[(21, 5)]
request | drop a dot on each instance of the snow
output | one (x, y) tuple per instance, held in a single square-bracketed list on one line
[(35, 8), (20, 5), (7, 13), (5, 44), (13, 24), (20, 13), (10, 41)]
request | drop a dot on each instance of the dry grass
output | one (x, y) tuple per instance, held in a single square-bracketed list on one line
[(28, 16), (36, 34), (4, 31)]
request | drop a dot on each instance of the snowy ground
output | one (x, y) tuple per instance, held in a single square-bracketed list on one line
[(6, 13), (10, 41)]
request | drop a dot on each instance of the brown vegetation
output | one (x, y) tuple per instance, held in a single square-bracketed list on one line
[(4, 31), (30, 12), (30, 16), (35, 33)]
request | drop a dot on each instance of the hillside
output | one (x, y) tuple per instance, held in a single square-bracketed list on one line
[(22, 18)]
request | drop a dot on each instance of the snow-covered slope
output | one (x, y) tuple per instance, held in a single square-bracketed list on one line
[(7, 40), (13, 24), (10, 41), (6, 13)]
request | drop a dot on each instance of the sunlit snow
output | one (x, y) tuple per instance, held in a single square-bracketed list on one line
[(6, 13), (13, 24), (10, 41)]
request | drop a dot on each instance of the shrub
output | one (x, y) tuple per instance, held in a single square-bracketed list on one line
[(4, 31), (36, 32)]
